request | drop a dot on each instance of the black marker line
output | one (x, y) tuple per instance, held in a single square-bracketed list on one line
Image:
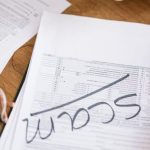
[(82, 97), (104, 103), (27, 128), (76, 115), (128, 105), (73, 119)]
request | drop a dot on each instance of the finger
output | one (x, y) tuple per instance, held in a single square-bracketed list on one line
[(3, 103), (10, 104)]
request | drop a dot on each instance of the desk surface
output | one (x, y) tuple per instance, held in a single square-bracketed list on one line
[(128, 10)]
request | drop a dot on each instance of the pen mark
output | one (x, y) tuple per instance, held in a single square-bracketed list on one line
[(27, 126), (52, 129), (76, 115), (104, 103), (73, 120), (82, 97), (67, 114), (128, 105)]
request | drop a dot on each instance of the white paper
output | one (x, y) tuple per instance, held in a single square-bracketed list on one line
[(96, 71), (19, 21), (9, 130)]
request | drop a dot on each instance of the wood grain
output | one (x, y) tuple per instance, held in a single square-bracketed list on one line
[(128, 10)]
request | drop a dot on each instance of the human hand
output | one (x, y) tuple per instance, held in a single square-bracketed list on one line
[(3, 106)]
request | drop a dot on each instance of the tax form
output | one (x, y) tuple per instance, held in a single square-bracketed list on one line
[(87, 88), (19, 22)]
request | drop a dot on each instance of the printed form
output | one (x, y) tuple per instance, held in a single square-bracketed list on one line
[(19, 21), (74, 100)]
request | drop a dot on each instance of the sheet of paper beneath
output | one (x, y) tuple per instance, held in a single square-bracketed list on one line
[(93, 54), (19, 22), (8, 133)]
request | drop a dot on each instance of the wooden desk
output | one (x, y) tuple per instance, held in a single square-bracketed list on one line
[(128, 10)]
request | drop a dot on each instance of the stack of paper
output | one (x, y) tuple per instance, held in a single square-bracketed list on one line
[(19, 22), (87, 88)]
